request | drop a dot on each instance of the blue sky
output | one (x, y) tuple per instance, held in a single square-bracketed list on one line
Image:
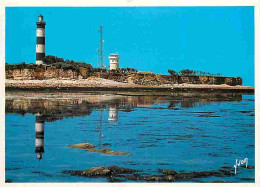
[(211, 39)]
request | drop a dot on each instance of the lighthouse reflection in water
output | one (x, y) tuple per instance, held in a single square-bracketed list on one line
[(39, 138), (40, 126)]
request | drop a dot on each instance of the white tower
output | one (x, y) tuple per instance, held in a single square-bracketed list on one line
[(39, 138), (114, 61), (40, 44), (113, 114)]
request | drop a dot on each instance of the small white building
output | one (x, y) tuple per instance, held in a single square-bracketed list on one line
[(114, 61)]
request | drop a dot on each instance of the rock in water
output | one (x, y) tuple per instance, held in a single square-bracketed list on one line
[(8, 181), (158, 178), (116, 174), (168, 178), (248, 167), (82, 146), (100, 171), (109, 151), (97, 171), (121, 170), (200, 174), (168, 172), (90, 147)]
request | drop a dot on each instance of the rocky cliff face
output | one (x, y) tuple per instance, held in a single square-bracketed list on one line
[(141, 79), (41, 73), (56, 73), (156, 80)]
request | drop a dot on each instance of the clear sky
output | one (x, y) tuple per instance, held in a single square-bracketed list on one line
[(210, 39)]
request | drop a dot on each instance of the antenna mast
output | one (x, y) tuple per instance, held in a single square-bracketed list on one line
[(100, 49)]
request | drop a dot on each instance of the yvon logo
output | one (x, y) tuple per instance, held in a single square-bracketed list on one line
[(239, 163)]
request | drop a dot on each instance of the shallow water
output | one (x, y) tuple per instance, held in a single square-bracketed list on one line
[(185, 133)]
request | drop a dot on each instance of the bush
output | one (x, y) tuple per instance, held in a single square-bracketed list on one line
[(67, 64), (54, 62), (20, 66), (172, 72)]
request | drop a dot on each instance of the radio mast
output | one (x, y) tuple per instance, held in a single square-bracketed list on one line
[(100, 63)]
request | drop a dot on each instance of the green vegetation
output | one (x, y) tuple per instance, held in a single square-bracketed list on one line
[(53, 61), (126, 70), (188, 72), (60, 63), (20, 66)]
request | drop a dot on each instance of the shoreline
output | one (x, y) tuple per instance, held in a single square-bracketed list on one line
[(100, 84)]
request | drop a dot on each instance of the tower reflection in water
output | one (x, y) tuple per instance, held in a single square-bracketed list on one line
[(40, 126), (113, 114), (39, 138)]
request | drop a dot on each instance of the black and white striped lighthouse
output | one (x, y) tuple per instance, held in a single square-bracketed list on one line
[(40, 44), (39, 138)]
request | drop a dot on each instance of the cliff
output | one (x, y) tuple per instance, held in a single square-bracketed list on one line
[(45, 73)]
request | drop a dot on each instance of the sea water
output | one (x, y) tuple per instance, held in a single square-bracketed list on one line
[(182, 133)]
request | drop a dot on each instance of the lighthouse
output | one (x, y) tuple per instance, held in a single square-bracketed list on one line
[(40, 43), (114, 61), (39, 138)]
